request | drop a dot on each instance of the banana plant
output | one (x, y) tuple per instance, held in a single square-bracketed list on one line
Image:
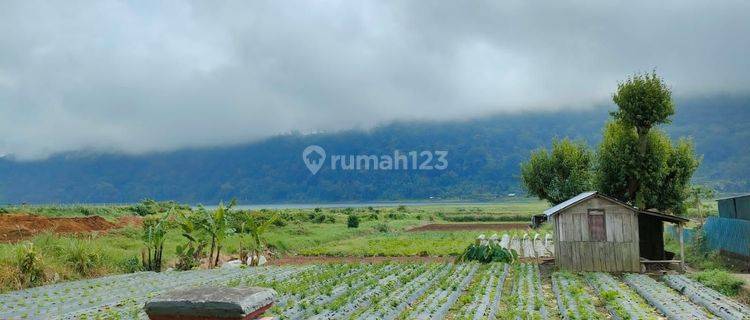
[(217, 225), (154, 234), (255, 225), (190, 253)]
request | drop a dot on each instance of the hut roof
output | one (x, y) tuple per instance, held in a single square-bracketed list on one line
[(590, 194)]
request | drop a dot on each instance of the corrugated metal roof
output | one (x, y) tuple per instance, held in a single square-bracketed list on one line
[(734, 197), (585, 195), (568, 203)]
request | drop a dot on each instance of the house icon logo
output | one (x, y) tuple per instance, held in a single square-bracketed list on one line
[(314, 156)]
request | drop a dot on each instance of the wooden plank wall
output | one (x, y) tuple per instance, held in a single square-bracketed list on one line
[(575, 252)]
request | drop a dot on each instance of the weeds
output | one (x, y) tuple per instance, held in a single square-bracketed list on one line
[(29, 265), (719, 280)]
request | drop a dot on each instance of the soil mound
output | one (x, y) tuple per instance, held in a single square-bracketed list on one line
[(15, 227), (469, 226)]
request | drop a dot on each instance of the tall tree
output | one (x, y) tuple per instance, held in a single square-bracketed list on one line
[(636, 162), (662, 174), (559, 174), (644, 101)]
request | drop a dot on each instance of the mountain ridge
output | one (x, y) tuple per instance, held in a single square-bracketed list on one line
[(483, 161)]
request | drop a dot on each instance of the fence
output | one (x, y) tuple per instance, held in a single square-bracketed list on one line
[(723, 234)]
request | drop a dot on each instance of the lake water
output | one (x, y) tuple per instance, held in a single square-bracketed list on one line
[(354, 205)]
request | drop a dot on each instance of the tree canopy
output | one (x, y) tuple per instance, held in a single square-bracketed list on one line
[(559, 174), (635, 162)]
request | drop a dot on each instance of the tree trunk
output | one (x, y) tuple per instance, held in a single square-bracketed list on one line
[(211, 254), (158, 258), (218, 252), (634, 187)]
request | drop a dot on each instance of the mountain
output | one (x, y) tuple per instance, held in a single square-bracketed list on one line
[(483, 161)]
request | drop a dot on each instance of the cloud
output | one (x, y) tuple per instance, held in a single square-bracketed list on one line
[(137, 77)]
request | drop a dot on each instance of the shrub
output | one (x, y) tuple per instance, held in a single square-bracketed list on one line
[(130, 265), (352, 221), (280, 221), (719, 280), (81, 256), (188, 256), (382, 227), (396, 216), (29, 265), (485, 253)]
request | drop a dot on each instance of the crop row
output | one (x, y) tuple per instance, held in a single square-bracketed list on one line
[(708, 298), (395, 291), (71, 299), (667, 301), (444, 293), (527, 299), (482, 299), (573, 300), (620, 300)]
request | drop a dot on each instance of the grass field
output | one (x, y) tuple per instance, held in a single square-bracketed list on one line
[(381, 232)]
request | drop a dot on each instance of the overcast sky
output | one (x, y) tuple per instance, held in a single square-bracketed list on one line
[(146, 76)]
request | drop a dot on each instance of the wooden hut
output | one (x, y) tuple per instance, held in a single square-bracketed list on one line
[(594, 232)]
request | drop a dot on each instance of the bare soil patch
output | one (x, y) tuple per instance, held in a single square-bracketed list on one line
[(16, 227), (296, 260), (469, 226)]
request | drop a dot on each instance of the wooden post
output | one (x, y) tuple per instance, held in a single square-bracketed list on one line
[(682, 247)]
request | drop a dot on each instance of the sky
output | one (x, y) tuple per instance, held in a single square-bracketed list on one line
[(149, 76)]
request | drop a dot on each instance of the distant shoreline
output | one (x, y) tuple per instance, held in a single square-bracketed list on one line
[(310, 205)]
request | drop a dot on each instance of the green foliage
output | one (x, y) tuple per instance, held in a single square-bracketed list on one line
[(382, 227), (82, 256), (644, 101), (154, 233), (189, 254), (130, 265), (352, 221), (634, 163), (217, 224), (696, 194), (654, 173), (256, 225), (658, 178), (29, 265), (489, 252), (150, 206), (719, 280), (559, 174)]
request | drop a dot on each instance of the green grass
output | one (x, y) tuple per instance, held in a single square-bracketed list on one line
[(719, 280), (119, 251), (429, 243)]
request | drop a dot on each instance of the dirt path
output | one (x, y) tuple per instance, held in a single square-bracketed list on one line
[(469, 226), (17, 227)]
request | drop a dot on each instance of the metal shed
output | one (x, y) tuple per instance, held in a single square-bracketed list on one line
[(736, 207), (594, 232)]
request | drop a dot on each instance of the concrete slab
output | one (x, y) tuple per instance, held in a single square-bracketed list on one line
[(211, 303)]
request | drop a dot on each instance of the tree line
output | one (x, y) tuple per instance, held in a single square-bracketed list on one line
[(636, 162)]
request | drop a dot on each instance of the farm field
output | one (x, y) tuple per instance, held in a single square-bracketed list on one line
[(395, 291), (115, 242)]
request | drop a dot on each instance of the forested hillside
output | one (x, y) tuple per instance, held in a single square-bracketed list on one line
[(484, 156)]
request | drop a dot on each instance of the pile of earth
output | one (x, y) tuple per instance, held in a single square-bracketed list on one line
[(16, 227)]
